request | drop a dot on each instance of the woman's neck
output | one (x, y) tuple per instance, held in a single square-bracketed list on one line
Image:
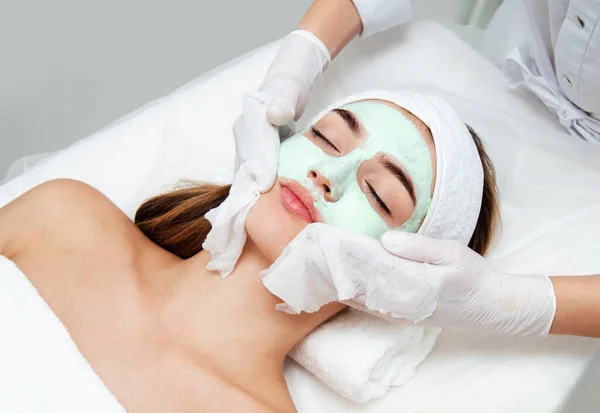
[(234, 319)]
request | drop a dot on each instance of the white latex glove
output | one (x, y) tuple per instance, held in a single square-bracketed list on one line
[(474, 294), (436, 282), (257, 146), (294, 70)]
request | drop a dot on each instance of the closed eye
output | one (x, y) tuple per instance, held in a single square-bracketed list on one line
[(378, 200), (323, 139), (401, 176)]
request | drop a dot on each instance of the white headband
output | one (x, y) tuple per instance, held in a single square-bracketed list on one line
[(458, 190)]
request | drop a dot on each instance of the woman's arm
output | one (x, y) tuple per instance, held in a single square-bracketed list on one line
[(577, 306), (334, 22)]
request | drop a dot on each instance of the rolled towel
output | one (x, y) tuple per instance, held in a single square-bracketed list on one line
[(360, 356)]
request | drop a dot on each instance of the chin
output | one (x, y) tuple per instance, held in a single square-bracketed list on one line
[(271, 226)]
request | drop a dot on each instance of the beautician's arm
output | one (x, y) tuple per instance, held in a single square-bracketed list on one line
[(577, 306), (477, 295), (334, 22)]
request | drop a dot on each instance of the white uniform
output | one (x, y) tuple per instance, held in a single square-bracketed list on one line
[(551, 47), (380, 15)]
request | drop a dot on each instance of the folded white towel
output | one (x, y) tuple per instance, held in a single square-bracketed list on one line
[(360, 356), (41, 368)]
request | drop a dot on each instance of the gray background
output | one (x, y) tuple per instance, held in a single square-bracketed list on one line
[(69, 67)]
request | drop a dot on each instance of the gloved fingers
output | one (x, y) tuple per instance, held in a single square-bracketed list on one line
[(280, 114), (285, 128), (284, 106), (299, 62), (419, 248)]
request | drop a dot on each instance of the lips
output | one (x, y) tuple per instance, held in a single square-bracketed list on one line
[(298, 200)]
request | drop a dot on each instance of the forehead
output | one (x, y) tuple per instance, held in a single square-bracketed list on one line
[(415, 120), (384, 126)]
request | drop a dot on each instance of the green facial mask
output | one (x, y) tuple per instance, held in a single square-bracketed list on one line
[(387, 131)]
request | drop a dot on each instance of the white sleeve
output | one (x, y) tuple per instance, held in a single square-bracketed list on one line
[(380, 15)]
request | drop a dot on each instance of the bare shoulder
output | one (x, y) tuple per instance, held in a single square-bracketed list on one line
[(60, 210)]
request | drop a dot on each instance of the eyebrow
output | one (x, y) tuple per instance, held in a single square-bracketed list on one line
[(399, 173), (350, 120)]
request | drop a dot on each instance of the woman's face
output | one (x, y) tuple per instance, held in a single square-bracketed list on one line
[(368, 166)]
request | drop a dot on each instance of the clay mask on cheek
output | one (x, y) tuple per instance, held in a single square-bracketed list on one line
[(387, 131)]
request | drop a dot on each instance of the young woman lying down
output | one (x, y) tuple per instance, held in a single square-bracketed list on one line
[(162, 332)]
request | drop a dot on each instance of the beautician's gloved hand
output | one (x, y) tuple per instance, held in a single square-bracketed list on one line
[(424, 280), (300, 61), (474, 294)]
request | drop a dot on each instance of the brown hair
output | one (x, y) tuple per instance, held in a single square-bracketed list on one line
[(488, 213), (175, 220)]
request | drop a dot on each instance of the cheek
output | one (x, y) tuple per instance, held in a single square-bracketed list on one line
[(353, 212), (296, 156), (272, 227)]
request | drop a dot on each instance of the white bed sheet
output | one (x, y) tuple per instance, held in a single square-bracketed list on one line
[(548, 181)]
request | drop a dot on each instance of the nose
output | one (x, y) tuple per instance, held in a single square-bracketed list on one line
[(323, 184)]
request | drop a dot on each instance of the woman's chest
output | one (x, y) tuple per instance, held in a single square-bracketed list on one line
[(115, 329)]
